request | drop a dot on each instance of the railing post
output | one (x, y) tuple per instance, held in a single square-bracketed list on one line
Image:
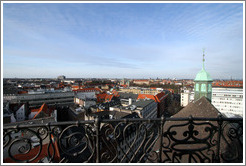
[(220, 121), (97, 125), (161, 134)]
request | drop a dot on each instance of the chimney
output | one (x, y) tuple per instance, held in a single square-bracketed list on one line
[(55, 115), (130, 101)]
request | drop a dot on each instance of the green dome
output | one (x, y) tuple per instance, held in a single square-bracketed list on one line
[(203, 76)]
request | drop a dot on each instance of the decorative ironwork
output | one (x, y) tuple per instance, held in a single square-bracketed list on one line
[(163, 140)]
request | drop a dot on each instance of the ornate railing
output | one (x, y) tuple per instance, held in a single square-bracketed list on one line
[(160, 140)]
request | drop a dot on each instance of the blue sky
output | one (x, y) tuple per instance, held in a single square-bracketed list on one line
[(128, 40)]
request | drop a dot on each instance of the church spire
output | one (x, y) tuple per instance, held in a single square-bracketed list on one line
[(203, 82), (203, 60)]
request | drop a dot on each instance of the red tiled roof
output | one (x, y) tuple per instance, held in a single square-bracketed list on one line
[(35, 110), (109, 97), (101, 97), (115, 93), (143, 96), (75, 87), (106, 97), (158, 98), (22, 92), (228, 83), (88, 90), (171, 90)]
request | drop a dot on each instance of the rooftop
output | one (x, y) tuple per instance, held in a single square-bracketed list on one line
[(128, 95), (200, 108), (142, 103)]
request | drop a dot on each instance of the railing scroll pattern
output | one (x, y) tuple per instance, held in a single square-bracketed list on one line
[(163, 140)]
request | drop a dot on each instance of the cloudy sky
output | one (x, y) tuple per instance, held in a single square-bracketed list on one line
[(128, 40)]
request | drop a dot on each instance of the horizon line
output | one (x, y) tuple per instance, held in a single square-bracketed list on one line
[(113, 78)]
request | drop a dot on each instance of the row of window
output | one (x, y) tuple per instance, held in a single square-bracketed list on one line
[(225, 109), (222, 102), (228, 95)]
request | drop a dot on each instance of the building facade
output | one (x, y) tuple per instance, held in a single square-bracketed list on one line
[(187, 96), (36, 100), (138, 90), (228, 100), (21, 113), (141, 82)]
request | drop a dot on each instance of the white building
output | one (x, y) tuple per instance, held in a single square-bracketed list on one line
[(145, 108), (85, 99), (187, 96), (59, 98), (228, 100), (84, 95)]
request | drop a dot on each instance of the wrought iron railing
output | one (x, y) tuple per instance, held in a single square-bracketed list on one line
[(127, 140)]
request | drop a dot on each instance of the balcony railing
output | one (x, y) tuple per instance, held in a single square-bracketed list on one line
[(159, 140)]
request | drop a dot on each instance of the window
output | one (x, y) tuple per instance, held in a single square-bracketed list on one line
[(209, 87), (203, 88), (197, 87)]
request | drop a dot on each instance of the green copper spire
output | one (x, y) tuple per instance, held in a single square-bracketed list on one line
[(203, 83), (203, 75)]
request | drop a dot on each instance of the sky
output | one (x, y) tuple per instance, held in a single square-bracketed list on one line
[(122, 40)]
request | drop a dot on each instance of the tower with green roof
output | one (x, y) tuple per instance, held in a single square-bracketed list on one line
[(203, 84)]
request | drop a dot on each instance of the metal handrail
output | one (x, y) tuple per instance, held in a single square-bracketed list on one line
[(165, 139)]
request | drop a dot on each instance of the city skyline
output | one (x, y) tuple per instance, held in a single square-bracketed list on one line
[(122, 40)]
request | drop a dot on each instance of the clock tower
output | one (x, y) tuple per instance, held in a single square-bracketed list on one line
[(203, 84)]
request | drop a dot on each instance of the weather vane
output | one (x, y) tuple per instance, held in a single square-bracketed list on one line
[(203, 60), (203, 54)]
